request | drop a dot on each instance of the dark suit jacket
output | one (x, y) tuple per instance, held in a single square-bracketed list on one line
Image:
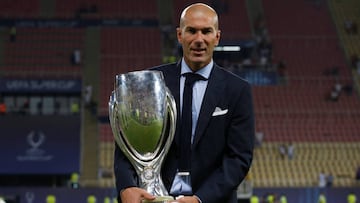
[(223, 145)]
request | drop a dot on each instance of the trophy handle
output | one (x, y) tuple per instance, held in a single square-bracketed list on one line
[(170, 123), (112, 106)]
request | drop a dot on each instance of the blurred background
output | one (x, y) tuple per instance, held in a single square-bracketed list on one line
[(59, 58)]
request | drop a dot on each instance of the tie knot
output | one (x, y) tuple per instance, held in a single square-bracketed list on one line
[(191, 78)]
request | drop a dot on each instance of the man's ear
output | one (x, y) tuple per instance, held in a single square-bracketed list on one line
[(218, 34), (179, 35)]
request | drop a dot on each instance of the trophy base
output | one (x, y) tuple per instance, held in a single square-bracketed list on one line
[(162, 199)]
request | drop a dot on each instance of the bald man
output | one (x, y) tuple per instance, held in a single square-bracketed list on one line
[(222, 136)]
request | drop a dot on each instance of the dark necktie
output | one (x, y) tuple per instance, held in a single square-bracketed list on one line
[(186, 121)]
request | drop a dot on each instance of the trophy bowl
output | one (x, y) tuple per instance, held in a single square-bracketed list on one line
[(142, 115)]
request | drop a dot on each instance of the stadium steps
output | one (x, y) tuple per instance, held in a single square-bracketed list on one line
[(91, 70), (90, 138), (255, 9), (165, 22), (47, 8), (3, 37), (347, 10), (90, 150)]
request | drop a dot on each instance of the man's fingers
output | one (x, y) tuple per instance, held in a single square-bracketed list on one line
[(186, 199), (147, 195), (134, 194)]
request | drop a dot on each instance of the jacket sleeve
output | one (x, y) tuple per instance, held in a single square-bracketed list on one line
[(125, 174)]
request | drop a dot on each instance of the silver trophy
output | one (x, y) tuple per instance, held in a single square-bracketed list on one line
[(142, 115)]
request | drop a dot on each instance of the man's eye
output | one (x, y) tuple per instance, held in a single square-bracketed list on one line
[(192, 31), (206, 31)]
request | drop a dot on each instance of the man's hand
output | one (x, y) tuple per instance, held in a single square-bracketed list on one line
[(186, 199), (135, 195)]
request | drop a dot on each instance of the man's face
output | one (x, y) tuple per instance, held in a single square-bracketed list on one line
[(198, 36)]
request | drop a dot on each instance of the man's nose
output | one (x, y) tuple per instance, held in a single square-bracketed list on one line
[(199, 36)]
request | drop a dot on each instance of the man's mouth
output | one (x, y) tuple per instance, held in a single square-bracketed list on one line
[(198, 50)]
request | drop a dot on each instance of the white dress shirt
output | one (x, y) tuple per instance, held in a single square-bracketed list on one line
[(198, 90)]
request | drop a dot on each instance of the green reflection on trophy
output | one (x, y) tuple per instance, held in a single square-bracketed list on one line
[(142, 115)]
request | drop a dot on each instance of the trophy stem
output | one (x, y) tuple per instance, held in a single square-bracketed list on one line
[(152, 182)]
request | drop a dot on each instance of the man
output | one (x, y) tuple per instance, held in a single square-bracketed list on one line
[(222, 128)]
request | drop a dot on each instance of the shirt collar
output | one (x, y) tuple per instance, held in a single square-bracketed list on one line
[(205, 71)]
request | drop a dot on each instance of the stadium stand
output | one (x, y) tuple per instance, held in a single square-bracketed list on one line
[(343, 12), (124, 50), (339, 159), (19, 8), (120, 55), (228, 11), (106, 149), (299, 112), (309, 36), (111, 9), (43, 52)]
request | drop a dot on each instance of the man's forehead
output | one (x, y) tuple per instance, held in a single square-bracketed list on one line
[(199, 27), (199, 23)]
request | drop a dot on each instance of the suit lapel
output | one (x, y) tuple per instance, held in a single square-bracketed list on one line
[(214, 88), (172, 78), (173, 82)]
